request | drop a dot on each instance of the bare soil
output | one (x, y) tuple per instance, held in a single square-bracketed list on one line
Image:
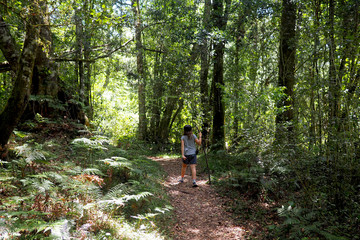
[(200, 212)]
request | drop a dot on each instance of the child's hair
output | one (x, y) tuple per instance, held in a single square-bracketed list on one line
[(188, 131)]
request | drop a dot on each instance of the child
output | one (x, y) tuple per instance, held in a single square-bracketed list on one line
[(188, 152)]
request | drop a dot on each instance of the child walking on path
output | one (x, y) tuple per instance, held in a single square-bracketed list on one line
[(188, 152)]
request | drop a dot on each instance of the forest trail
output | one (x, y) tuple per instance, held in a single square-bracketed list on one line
[(199, 212)]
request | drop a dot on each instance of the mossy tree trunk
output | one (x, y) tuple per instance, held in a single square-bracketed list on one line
[(19, 98)]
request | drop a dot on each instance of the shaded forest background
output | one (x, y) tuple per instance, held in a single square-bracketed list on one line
[(273, 86)]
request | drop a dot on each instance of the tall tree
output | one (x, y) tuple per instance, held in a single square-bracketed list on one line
[(45, 81), (220, 18), (19, 98), (287, 51), (334, 87), (79, 64), (314, 74), (157, 91), (205, 64), (140, 71)]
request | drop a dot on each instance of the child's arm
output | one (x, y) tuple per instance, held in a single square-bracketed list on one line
[(182, 149), (198, 140)]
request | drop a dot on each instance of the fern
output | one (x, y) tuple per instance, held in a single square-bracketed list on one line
[(30, 155), (93, 171), (145, 216), (60, 229), (88, 143), (101, 140), (39, 185), (112, 202), (5, 179), (74, 170), (58, 178), (330, 236), (138, 196), (117, 191)]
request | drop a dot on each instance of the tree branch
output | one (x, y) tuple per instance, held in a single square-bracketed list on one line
[(108, 54)]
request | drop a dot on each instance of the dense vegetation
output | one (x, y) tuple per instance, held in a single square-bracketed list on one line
[(273, 86)]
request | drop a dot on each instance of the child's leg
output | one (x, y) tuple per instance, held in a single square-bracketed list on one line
[(193, 171), (183, 170)]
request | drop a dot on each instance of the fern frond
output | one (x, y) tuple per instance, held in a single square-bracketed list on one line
[(29, 154), (119, 159), (85, 142), (56, 176), (100, 139), (330, 236), (116, 162), (74, 171), (145, 216), (116, 191), (115, 201), (60, 229), (164, 209), (92, 171), (137, 197), (39, 185), (292, 221), (6, 178)]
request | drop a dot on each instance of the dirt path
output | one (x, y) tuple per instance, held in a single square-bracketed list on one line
[(199, 211)]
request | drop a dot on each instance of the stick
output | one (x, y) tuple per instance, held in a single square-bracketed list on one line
[(203, 147), (207, 164)]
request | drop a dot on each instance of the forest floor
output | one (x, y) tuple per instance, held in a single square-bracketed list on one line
[(200, 212)]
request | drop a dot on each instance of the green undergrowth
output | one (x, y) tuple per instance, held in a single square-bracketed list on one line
[(247, 190), (53, 186), (280, 197)]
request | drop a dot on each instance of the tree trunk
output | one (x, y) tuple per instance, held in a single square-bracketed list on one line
[(8, 46), (284, 119), (220, 21), (140, 71), (87, 67), (334, 90), (45, 75), (164, 126), (238, 44), (19, 98), (79, 67), (314, 75), (44, 67), (158, 91), (204, 71)]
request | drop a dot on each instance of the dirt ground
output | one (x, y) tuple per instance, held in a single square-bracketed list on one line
[(200, 212)]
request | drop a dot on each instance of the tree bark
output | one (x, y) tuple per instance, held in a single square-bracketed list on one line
[(238, 44), (45, 79), (220, 20), (8, 46), (314, 78), (19, 98), (334, 90), (140, 71), (205, 64), (79, 68), (287, 49), (158, 91)]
